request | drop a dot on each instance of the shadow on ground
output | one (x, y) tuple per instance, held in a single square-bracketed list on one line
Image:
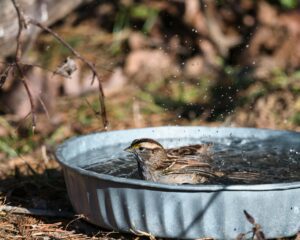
[(47, 192)]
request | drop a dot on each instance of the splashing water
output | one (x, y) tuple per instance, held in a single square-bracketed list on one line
[(244, 161)]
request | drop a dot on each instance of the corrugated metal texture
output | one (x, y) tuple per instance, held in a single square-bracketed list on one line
[(184, 211)]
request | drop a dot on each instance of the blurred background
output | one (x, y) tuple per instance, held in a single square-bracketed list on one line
[(175, 62)]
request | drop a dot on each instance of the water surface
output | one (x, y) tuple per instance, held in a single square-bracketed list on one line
[(244, 161)]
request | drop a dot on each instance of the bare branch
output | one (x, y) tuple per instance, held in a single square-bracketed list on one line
[(18, 56), (44, 107), (23, 80), (88, 63), (23, 24)]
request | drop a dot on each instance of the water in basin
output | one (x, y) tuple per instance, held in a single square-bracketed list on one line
[(245, 161)]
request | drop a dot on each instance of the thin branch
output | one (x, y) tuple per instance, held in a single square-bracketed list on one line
[(44, 107), (23, 80), (27, 64), (80, 216), (23, 24), (143, 234), (89, 64), (18, 56)]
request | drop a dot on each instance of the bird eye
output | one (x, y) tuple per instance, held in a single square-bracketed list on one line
[(141, 148)]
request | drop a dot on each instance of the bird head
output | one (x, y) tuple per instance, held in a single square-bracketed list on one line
[(146, 149)]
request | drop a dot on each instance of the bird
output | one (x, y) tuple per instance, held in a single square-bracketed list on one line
[(182, 165)]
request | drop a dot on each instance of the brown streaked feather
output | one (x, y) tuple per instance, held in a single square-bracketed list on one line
[(188, 170), (185, 162), (186, 166), (190, 150), (189, 156)]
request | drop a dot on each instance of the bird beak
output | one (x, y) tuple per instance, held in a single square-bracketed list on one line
[(128, 149)]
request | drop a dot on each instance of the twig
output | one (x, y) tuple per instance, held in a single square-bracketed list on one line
[(23, 24), (80, 216), (18, 56), (256, 229), (36, 212), (11, 65), (89, 64), (241, 236), (142, 234), (44, 107)]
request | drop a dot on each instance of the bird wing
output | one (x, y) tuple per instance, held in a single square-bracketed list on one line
[(203, 171), (187, 160), (191, 150), (187, 166)]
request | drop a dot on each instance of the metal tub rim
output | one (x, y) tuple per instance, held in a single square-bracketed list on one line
[(179, 188)]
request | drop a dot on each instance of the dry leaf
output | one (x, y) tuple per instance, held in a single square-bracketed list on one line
[(67, 68)]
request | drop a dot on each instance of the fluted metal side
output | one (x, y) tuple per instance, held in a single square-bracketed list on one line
[(179, 211)]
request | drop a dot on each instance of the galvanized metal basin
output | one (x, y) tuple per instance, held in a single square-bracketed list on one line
[(178, 211)]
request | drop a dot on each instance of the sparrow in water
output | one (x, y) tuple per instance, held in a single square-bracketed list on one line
[(183, 165)]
